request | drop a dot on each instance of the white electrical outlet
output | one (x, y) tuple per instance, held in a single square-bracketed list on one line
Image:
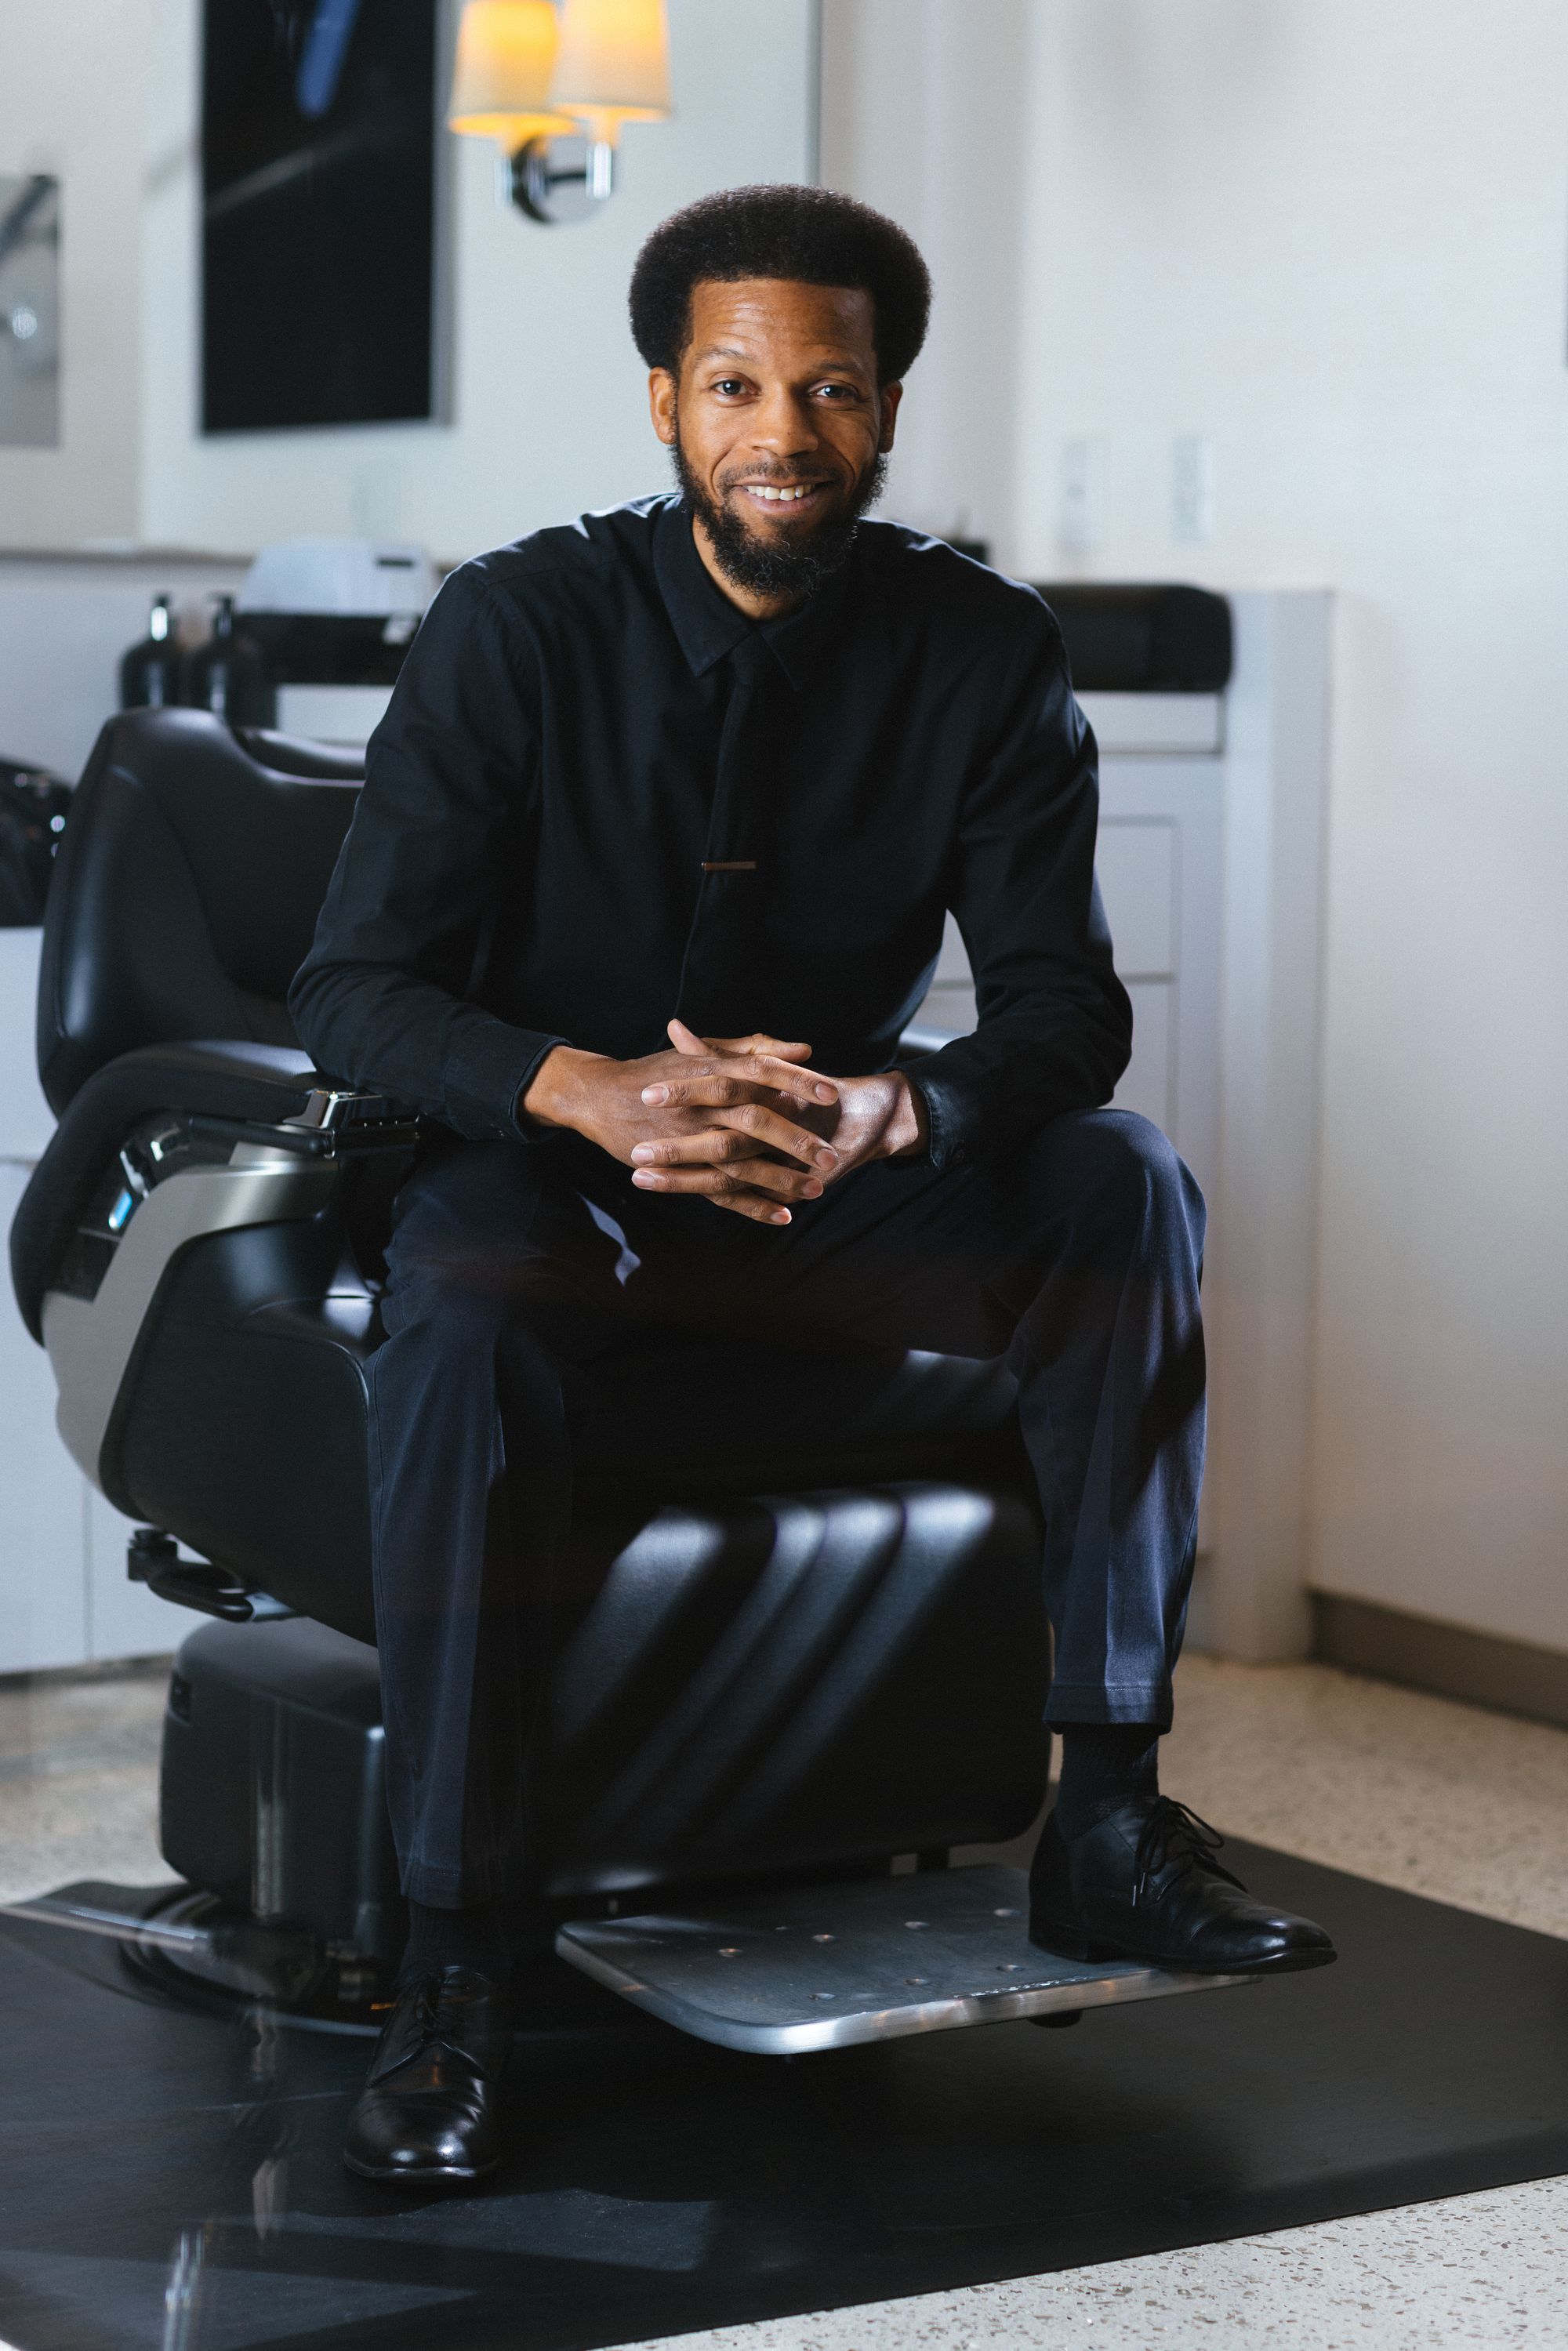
[(1192, 488), (1082, 524)]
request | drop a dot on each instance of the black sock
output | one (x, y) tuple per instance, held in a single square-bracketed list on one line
[(455, 1939), (1103, 1764)]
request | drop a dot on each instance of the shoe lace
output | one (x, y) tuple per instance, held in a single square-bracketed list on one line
[(426, 2006), (1174, 1838), (430, 2011), (437, 2009)]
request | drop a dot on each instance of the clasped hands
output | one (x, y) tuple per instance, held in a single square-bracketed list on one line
[(739, 1120)]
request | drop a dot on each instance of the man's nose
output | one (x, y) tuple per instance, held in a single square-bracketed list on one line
[(784, 424)]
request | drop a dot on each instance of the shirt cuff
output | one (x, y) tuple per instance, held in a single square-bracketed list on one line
[(952, 1109), (526, 1129), (488, 1075)]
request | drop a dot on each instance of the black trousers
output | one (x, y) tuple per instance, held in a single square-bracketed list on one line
[(514, 1268)]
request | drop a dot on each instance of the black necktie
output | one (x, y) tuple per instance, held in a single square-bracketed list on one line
[(722, 976)]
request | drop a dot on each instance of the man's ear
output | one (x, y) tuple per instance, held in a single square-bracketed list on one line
[(890, 396), (661, 404)]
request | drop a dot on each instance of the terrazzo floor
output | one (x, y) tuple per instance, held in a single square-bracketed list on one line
[(79, 1777), (1441, 1799)]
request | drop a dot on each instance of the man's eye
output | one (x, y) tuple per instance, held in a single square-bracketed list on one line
[(729, 384), (835, 392)]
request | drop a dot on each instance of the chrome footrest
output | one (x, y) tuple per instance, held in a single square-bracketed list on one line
[(822, 1967)]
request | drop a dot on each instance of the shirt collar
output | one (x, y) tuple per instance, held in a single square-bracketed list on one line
[(709, 627)]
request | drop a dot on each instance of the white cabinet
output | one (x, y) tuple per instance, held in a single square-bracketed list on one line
[(1148, 1082), (123, 1619), (1139, 861), (43, 1498), (27, 1121), (1159, 865), (1210, 864), (65, 1597)]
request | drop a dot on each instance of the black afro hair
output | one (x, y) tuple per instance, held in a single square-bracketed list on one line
[(811, 234)]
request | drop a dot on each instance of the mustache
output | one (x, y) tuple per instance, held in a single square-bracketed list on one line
[(778, 477)]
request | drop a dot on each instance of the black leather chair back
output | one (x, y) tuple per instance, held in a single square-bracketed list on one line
[(186, 895)]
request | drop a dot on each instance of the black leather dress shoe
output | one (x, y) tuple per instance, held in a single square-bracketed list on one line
[(1142, 1884), (428, 2112)]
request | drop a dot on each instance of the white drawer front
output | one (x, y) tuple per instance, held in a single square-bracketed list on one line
[(1137, 863), (27, 1122), (43, 1592), (1148, 1080), (124, 1619), (1155, 723)]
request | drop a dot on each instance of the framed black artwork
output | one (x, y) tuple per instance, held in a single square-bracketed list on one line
[(318, 213)]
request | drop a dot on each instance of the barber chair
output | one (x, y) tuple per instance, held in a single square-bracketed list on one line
[(785, 1672)]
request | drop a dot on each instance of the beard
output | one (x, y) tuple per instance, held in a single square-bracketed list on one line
[(794, 567)]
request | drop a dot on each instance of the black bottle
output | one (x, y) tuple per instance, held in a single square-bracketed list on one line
[(150, 674), (227, 675)]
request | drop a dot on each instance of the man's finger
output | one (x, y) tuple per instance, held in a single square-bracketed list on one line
[(737, 1134), (770, 1176), (686, 1041), (722, 1082), (755, 1205)]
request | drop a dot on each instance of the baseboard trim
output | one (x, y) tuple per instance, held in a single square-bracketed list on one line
[(1451, 1661)]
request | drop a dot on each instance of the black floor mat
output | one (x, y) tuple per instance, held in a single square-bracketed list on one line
[(171, 2179)]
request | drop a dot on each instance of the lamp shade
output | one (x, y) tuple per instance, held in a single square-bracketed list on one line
[(501, 80), (614, 64)]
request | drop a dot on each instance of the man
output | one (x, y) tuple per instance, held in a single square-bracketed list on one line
[(648, 871)]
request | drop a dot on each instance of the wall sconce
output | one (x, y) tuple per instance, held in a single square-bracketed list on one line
[(554, 87)]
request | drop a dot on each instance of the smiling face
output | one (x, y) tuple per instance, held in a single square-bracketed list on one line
[(778, 427)]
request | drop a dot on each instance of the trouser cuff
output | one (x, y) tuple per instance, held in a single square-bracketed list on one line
[(1070, 1702), (448, 1889)]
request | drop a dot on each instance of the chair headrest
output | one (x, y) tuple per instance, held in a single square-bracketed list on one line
[(185, 894)]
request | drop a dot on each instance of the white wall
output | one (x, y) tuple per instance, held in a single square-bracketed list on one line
[(549, 410), (547, 414), (1334, 240), (926, 114), (87, 488)]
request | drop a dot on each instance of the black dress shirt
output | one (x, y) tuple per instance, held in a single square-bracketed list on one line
[(602, 795)]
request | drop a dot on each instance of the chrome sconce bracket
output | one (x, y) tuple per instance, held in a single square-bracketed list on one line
[(558, 181)]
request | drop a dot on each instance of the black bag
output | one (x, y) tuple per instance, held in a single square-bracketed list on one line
[(33, 811)]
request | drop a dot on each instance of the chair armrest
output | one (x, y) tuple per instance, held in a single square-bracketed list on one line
[(223, 1083)]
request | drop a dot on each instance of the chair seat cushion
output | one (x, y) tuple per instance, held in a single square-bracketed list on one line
[(246, 1434), (690, 1417), (798, 1683)]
